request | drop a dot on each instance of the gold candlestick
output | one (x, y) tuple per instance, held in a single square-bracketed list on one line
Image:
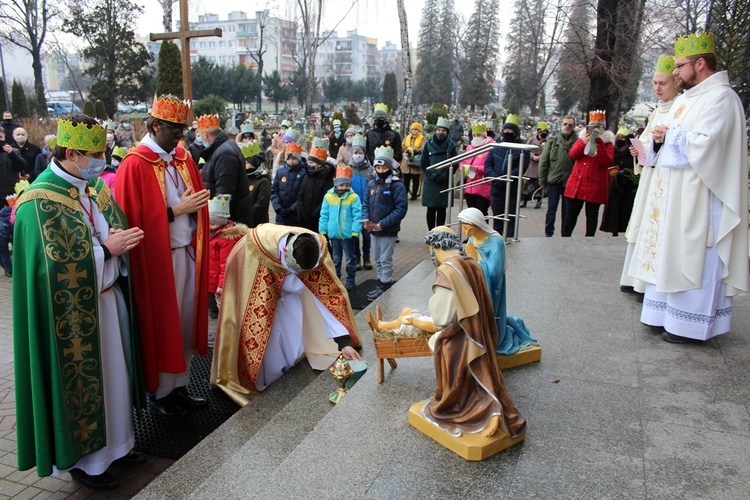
[(341, 372)]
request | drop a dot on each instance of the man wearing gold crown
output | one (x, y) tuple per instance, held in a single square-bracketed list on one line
[(160, 190), (281, 301), (693, 244), (76, 356)]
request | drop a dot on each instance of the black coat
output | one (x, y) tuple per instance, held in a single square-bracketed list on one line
[(224, 173), (310, 200), (285, 189), (334, 144), (11, 165), (29, 152), (384, 137), (260, 196)]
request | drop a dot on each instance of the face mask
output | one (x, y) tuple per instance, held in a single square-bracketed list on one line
[(110, 137), (440, 135), (544, 135), (383, 175), (21, 139), (126, 126), (115, 163), (199, 141), (341, 191), (93, 170), (358, 158), (509, 137), (8, 120), (477, 141), (349, 140), (337, 130), (380, 123), (620, 143)]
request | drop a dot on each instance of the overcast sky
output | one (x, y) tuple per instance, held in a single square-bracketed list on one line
[(373, 18)]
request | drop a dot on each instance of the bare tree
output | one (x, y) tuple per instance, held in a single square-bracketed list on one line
[(166, 19), (615, 70), (24, 23), (77, 80), (406, 104), (575, 56), (536, 31), (310, 16)]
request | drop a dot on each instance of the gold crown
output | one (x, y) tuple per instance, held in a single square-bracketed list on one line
[(542, 126), (597, 116), (479, 128), (292, 148), (318, 153), (343, 171), (513, 118), (170, 109), (381, 106), (250, 150), (383, 153), (665, 64), (81, 136), (207, 122), (219, 207), (694, 44)]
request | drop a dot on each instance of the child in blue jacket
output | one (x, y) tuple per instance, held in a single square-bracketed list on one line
[(340, 217)]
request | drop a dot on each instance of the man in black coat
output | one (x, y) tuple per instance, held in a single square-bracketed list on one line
[(224, 173), (27, 150), (11, 165), (317, 182), (381, 134)]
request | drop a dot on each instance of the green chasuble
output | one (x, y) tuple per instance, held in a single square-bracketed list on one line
[(59, 400)]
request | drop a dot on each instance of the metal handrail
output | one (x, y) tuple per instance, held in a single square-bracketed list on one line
[(508, 178)]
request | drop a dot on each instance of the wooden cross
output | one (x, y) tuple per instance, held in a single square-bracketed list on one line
[(184, 35)]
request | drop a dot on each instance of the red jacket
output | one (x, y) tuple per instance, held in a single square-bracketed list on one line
[(589, 180), (220, 245)]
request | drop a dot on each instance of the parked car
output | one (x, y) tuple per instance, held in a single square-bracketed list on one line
[(55, 108), (124, 108)]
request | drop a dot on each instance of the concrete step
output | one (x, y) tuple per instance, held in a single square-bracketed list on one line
[(247, 450)]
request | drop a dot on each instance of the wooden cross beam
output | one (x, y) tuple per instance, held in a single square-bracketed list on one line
[(184, 35)]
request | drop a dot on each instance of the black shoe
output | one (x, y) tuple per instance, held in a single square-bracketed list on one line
[(538, 204), (8, 273), (359, 263), (166, 407), (185, 400), (639, 297), (103, 481), (627, 289), (366, 263), (213, 314), (523, 204), (675, 339), (132, 458)]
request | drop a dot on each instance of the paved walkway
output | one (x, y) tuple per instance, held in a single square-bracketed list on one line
[(26, 484)]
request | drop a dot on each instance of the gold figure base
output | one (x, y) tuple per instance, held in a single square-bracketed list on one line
[(524, 357), (469, 446)]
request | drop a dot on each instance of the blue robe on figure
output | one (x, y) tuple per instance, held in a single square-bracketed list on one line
[(513, 335)]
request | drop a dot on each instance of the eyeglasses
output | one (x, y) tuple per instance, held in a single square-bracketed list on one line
[(679, 66), (178, 129)]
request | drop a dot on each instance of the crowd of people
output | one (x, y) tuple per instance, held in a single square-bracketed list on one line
[(178, 201)]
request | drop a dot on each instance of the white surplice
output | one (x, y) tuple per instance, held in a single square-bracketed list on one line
[(693, 240), (181, 232), (287, 341), (114, 342)]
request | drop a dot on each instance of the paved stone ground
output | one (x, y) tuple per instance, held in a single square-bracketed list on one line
[(26, 484)]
